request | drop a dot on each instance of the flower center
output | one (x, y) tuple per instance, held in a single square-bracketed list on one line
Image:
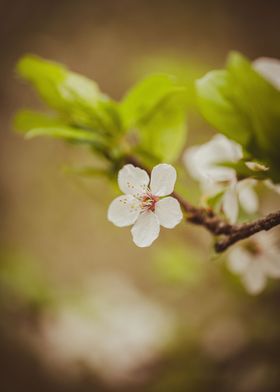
[(148, 202)]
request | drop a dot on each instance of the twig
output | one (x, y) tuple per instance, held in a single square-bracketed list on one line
[(240, 232)]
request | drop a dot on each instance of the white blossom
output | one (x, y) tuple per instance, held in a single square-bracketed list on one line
[(204, 163), (268, 68), (112, 329), (143, 204), (256, 261)]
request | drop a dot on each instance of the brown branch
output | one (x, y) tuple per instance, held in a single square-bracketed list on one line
[(240, 232), (219, 227), (216, 225)]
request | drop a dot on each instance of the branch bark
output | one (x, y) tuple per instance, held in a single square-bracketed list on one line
[(227, 234), (240, 232)]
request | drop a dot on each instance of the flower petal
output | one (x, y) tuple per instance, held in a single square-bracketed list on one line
[(269, 68), (271, 264), (254, 279), (247, 196), (238, 260), (230, 204), (146, 229), (124, 210), (169, 212), (203, 161), (192, 160), (133, 180), (219, 174), (163, 179)]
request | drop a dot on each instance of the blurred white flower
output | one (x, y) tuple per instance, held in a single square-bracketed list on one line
[(112, 329), (242, 193), (269, 68), (255, 261), (204, 163), (142, 205)]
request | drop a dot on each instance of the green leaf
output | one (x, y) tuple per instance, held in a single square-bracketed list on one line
[(186, 70), (261, 100), (57, 86), (155, 109), (217, 104), (245, 107), (143, 98), (67, 133), (163, 132), (77, 99), (25, 120)]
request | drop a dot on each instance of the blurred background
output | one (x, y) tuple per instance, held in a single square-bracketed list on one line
[(82, 308)]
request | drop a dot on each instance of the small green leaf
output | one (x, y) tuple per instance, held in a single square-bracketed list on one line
[(217, 104), (57, 86), (78, 100), (66, 133), (143, 98), (163, 132), (28, 119)]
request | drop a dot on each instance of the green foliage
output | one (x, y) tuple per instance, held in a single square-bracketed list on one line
[(144, 97), (57, 86), (156, 109), (242, 105), (38, 124), (25, 120), (163, 133), (152, 114), (150, 122), (77, 99), (64, 132)]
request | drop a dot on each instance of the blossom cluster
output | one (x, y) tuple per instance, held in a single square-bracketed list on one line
[(148, 203)]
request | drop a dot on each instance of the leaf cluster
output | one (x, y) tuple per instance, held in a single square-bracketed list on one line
[(149, 123)]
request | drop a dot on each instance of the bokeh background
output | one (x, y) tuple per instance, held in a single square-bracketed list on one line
[(83, 309)]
